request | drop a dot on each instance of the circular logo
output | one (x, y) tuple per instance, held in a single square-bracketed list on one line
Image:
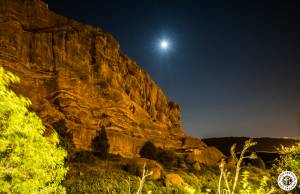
[(287, 180)]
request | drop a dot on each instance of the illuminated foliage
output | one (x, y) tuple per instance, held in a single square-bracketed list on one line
[(232, 181), (289, 160), (29, 162)]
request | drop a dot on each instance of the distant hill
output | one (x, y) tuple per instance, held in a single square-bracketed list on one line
[(264, 144)]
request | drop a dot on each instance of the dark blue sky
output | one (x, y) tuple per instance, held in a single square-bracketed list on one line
[(233, 66)]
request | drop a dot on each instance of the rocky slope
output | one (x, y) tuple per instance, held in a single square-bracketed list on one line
[(81, 84)]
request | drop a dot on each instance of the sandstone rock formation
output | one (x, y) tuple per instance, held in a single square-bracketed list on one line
[(136, 166), (80, 82), (209, 156), (174, 180)]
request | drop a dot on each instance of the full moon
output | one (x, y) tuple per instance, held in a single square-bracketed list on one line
[(164, 44)]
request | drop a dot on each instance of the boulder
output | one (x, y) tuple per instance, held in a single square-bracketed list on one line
[(192, 142), (174, 180), (136, 167), (208, 156), (230, 163)]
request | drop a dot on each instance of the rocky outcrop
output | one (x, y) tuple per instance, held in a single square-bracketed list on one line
[(80, 82), (209, 156), (138, 166), (174, 180)]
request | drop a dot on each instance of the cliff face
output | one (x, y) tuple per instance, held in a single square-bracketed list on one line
[(79, 81)]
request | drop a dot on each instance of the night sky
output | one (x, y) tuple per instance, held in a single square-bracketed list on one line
[(232, 66)]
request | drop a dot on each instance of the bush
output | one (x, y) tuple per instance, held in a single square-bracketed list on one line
[(149, 151), (84, 156), (100, 143), (289, 160), (167, 158), (65, 138), (232, 182), (29, 162)]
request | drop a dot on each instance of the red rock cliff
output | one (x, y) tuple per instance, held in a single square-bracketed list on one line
[(77, 74)]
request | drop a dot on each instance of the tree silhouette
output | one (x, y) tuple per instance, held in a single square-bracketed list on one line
[(149, 151), (100, 143), (65, 137)]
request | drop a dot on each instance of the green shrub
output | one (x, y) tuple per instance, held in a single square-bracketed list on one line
[(233, 184), (149, 151), (29, 162), (84, 156), (167, 158), (289, 160), (100, 143)]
